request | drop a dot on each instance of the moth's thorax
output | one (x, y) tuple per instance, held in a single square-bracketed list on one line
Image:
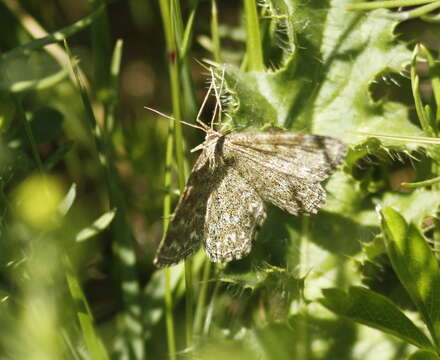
[(210, 147)]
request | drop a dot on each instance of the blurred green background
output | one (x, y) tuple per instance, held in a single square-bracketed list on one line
[(88, 176)]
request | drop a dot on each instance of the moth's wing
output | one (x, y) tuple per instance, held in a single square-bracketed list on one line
[(234, 212), (285, 168), (294, 195), (185, 231), (305, 156)]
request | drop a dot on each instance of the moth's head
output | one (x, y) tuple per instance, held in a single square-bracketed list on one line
[(211, 134)]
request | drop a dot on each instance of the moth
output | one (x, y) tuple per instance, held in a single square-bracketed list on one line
[(223, 203)]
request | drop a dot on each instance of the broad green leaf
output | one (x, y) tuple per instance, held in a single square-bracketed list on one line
[(98, 225), (354, 54), (324, 87), (374, 310), (271, 287), (376, 269), (424, 355), (415, 265), (347, 219)]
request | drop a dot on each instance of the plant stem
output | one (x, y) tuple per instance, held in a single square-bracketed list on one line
[(169, 316), (171, 19), (424, 183), (201, 303), (386, 4), (303, 345), (30, 136), (417, 12), (165, 11), (254, 52), (203, 290), (215, 35), (421, 113)]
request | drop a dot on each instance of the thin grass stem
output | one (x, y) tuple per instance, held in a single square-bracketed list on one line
[(30, 135), (422, 115), (424, 183), (417, 12), (215, 33), (171, 17), (435, 80), (122, 243), (201, 303)]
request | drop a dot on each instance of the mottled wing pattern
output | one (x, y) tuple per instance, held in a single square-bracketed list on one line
[(222, 205), (184, 236), (306, 156), (235, 211), (285, 168)]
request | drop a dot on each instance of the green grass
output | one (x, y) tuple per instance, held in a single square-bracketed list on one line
[(89, 179)]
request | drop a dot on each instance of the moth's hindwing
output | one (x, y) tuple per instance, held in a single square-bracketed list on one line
[(234, 213)]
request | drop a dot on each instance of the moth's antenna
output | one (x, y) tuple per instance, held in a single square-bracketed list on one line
[(160, 113), (202, 126), (201, 64), (173, 119)]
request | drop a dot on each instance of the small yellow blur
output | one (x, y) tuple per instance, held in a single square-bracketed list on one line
[(37, 200)]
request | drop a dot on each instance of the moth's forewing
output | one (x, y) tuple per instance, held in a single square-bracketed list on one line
[(306, 156), (185, 231), (285, 168)]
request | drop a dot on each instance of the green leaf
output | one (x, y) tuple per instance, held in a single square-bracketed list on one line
[(415, 265), (93, 342), (424, 355), (253, 40), (374, 310), (53, 37), (68, 200), (271, 287), (98, 225), (40, 83), (324, 87), (346, 220), (414, 206)]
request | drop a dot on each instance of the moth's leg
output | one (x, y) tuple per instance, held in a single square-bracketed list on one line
[(218, 105), (203, 106)]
